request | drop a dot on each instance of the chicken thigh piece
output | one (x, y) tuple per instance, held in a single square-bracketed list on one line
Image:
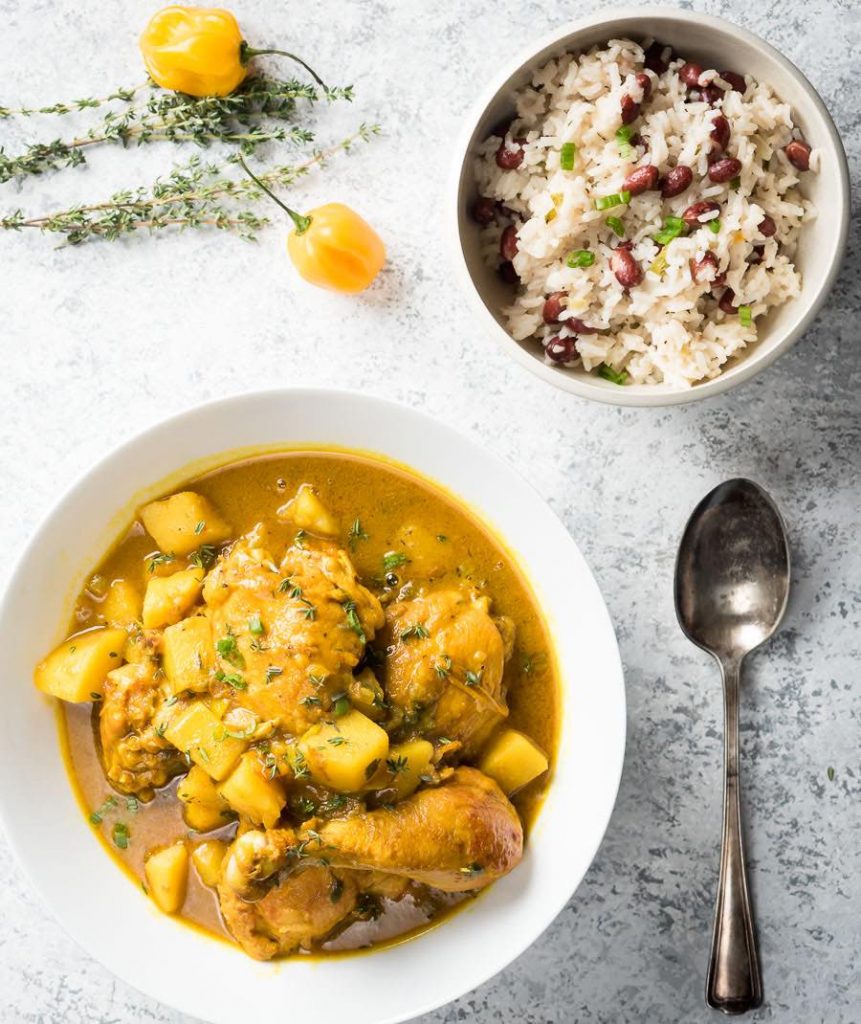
[(288, 635), (136, 758), (444, 669), (458, 836)]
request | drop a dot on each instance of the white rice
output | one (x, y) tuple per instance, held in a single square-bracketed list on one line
[(668, 329)]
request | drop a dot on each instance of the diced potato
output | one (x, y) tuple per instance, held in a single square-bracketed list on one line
[(195, 730), (122, 605), (309, 513), (188, 655), (183, 522), (76, 670), (166, 873), (251, 794), (204, 808), (168, 598), (207, 857), (424, 549), (343, 754), (403, 769), (513, 760), (366, 695)]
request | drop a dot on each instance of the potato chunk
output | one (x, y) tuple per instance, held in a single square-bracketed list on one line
[(203, 736), (309, 513), (183, 522), (188, 655), (405, 765), (203, 806), (166, 873), (168, 598), (122, 605), (251, 794), (76, 670), (207, 857), (344, 753), (513, 760)]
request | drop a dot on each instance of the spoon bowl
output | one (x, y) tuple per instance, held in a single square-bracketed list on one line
[(731, 590)]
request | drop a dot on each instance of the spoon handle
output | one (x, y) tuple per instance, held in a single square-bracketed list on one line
[(734, 985)]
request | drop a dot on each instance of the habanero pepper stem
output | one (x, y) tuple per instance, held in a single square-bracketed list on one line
[(247, 53), (300, 220)]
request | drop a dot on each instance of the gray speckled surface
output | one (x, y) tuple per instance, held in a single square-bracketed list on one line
[(103, 341)]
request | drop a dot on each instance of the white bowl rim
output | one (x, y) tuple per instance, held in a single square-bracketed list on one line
[(612, 755), (641, 395)]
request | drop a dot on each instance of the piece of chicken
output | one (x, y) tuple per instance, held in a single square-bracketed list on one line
[(136, 758), (444, 669), (288, 635), (460, 835), (296, 914)]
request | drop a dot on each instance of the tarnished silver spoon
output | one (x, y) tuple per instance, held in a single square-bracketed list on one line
[(732, 584)]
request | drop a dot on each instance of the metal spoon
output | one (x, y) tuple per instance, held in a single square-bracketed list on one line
[(732, 584)]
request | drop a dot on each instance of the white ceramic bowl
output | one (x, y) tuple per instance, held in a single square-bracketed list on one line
[(112, 919), (713, 42)]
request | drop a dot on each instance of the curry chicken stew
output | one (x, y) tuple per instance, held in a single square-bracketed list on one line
[(309, 702)]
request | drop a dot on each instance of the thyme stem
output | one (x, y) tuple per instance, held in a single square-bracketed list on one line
[(90, 102)]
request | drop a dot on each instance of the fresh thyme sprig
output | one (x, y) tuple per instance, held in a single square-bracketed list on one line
[(241, 118), (195, 195), (74, 106)]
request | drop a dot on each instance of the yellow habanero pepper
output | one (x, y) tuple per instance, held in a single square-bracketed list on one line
[(332, 246), (200, 51)]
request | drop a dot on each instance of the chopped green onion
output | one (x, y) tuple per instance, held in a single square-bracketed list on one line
[(566, 156), (616, 225), (673, 227), (623, 140), (745, 316), (714, 225), (616, 199), (341, 705), (735, 184), (580, 258), (614, 376), (120, 835), (255, 625), (659, 263)]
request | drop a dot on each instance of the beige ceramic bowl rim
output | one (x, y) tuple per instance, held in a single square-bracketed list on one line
[(613, 395)]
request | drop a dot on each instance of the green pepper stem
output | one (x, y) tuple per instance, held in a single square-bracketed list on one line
[(302, 222), (246, 53)]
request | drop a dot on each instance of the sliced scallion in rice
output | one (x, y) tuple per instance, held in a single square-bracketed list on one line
[(714, 225), (566, 156), (616, 199), (745, 317), (614, 376), (580, 258), (735, 184), (659, 264), (673, 227), (616, 226), (623, 139)]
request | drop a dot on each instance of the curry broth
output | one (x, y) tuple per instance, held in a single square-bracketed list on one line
[(384, 497)]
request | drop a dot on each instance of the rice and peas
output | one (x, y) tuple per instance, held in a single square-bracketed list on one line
[(648, 210)]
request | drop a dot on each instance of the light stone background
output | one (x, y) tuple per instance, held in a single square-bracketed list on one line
[(102, 341)]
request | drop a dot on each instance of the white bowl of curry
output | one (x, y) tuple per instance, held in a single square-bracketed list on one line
[(326, 675)]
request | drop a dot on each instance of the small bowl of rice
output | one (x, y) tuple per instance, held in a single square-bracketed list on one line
[(650, 207)]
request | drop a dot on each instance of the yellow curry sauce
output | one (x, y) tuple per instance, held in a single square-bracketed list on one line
[(388, 519)]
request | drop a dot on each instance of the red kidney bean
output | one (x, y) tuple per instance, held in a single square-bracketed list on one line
[(561, 350), (625, 267), (510, 155), (719, 281), (712, 93), (767, 226), (576, 324), (653, 59), (483, 211), (630, 109), (735, 80), (645, 83), (727, 301), (508, 273), (508, 243), (756, 256), (798, 154), (643, 179), (699, 267), (720, 131), (690, 75), (676, 181), (725, 170), (692, 215), (553, 306)]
